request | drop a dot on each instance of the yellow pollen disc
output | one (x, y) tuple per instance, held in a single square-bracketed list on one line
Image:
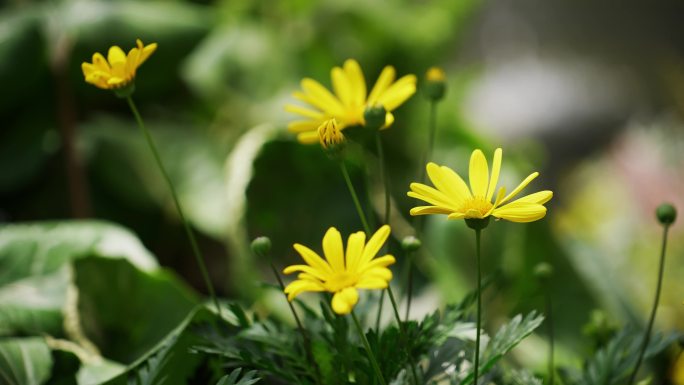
[(476, 207), (340, 281)]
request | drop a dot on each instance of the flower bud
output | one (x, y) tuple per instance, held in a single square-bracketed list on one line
[(375, 117), (435, 84), (410, 243), (543, 270), (261, 247), (666, 214), (331, 138)]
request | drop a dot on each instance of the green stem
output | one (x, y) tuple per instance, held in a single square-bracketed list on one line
[(404, 334), (409, 286), (647, 335), (188, 231), (479, 306), (383, 174), (549, 314), (352, 191), (300, 327), (366, 345), (381, 302)]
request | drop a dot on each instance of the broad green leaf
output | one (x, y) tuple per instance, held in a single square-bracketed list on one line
[(35, 272), (126, 311), (24, 361)]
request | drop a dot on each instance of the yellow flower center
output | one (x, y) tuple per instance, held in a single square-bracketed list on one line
[(476, 207), (340, 281)]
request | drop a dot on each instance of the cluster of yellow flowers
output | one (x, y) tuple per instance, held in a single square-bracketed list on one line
[(326, 116)]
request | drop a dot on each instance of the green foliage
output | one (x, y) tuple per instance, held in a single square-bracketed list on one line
[(613, 362), (24, 361), (234, 378)]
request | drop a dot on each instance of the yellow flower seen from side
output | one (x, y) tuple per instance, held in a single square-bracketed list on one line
[(118, 70), (342, 273), (349, 101), (451, 196)]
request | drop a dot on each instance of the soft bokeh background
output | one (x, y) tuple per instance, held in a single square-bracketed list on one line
[(591, 94)]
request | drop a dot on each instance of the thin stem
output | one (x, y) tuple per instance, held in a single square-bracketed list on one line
[(404, 336), (409, 287), (549, 314), (479, 306), (647, 335), (381, 302), (352, 191), (383, 174), (188, 231), (300, 327), (366, 345)]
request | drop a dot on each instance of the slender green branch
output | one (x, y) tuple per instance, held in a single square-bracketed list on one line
[(409, 285), (404, 334), (479, 306), (647, 334), (300, 327), (188, 231), (381, 302), (383, 174), (357, 204), (549, 320), (366, 345)]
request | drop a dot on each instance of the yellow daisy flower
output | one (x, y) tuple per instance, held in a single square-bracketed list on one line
[(340, 273), (350, 100), (118, 70), (453, 197)]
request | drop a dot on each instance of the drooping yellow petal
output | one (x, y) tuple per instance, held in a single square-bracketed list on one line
[(299, 286), (384, 81), (520, 212), (425, 210), (302, 126), (496, 168), (309, 137), (343, 301), (333, 249), (520, 187), (383, 261), (374, 245), (355, 245), (312, 259), (478, 174), (312, 114), (372, 282), (319, 274)]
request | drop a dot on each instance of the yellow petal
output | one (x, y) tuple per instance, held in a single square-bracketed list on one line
[(520, 212), (540, 197), (497, 202), (478, 174), (384, 80), (312, 259), (494, 179), (100, 62), (383, 261), (398, 93), (521, 186), (389, 120), (424, 210), (302, 126), (321, 98), (333, 249), (456, 216), (321, 275), (146, 52), (372, 282), (373, 246), (343, 301), (356, 81), (341, 85), (311, 114), (355, 245), (299, 286), (432, 196), (448, 182), (309, 137)]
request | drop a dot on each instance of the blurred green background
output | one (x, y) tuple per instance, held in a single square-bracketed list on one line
[(591, 94)]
